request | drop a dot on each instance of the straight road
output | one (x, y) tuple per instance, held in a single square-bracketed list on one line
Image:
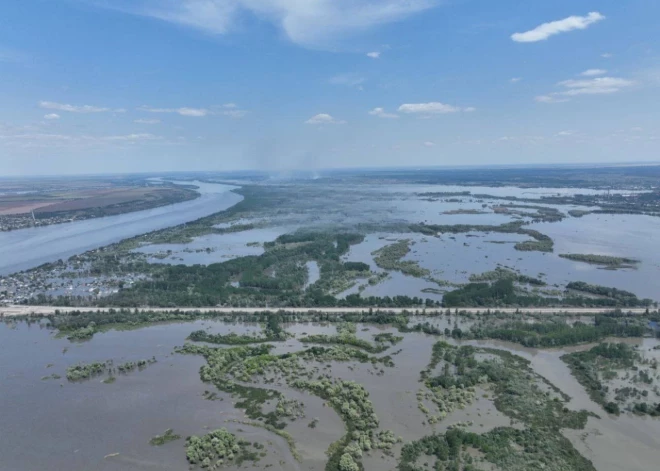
[(11, 311)]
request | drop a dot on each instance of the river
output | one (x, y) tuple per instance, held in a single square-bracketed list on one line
[(29, 248)]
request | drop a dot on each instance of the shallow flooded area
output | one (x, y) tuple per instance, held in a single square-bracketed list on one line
[(82, 425)]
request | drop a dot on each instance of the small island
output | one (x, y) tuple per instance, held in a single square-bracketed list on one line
[(607, 262)]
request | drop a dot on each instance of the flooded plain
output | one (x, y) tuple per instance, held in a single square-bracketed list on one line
[(388, 212), (55, 424), (451, 258)]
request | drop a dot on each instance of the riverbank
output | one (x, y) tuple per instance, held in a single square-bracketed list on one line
[(28, 248)]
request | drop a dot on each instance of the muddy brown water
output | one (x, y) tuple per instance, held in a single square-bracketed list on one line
[(56, 425)]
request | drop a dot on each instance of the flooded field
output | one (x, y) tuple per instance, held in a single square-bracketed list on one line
[(82, 425)]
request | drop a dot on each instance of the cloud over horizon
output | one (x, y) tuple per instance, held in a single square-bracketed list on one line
[(323, 118), (309, 23), (51, 105), (546, 30), (431, 108)]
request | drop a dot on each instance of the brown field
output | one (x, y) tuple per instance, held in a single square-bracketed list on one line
[(102, 198), (82, 199), (21, 207)]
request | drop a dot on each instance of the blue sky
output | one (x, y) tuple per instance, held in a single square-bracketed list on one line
[(92, 86)]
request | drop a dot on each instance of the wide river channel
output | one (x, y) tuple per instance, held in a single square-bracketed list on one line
[(29, 248)]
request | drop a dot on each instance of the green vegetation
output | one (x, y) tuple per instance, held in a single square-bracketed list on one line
[(387, 337), (229, 339), (221, 360), (346, 336), (345, 339), (506, 448), (505, 274), (272, 333), (389, 258), (348, 398), (557, 333), (620, 297), (612, 263), (217, 449), (503, 293), (200, 285), (351, 401), (356, 266), (85, 371), (52, 376), (168, 436), (519, 393), (578, 213), (132, 365), (542, 214), (84, 333), (596, 369), (541, 242)]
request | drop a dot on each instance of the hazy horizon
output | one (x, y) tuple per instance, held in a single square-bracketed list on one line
[(412, 168)]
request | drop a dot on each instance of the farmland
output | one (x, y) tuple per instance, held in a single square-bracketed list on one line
[(27, 207)]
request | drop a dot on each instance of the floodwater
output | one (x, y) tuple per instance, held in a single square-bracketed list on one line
[(28, 248), (626, 442), (57, 425), (451, 258), (313, 273), (454, 257), (214, 248), (503, 191)]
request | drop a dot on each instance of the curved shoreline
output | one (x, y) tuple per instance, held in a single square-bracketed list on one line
[(28, 248)]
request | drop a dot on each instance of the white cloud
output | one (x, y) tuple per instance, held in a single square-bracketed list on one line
[(373, 55), (591, 86), (565, 133), (469, 109), (147, 121), (50, 105), (550, 99), (515, 79), (311, 23), (132, 137), (544, 31), (606, 55), (52, 116), (48, 140), (323, 118), (596, 86), (347, 80), (381, 113), (431, 108), (429, 144), (593, 72), (193, 112), (235, 114)]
